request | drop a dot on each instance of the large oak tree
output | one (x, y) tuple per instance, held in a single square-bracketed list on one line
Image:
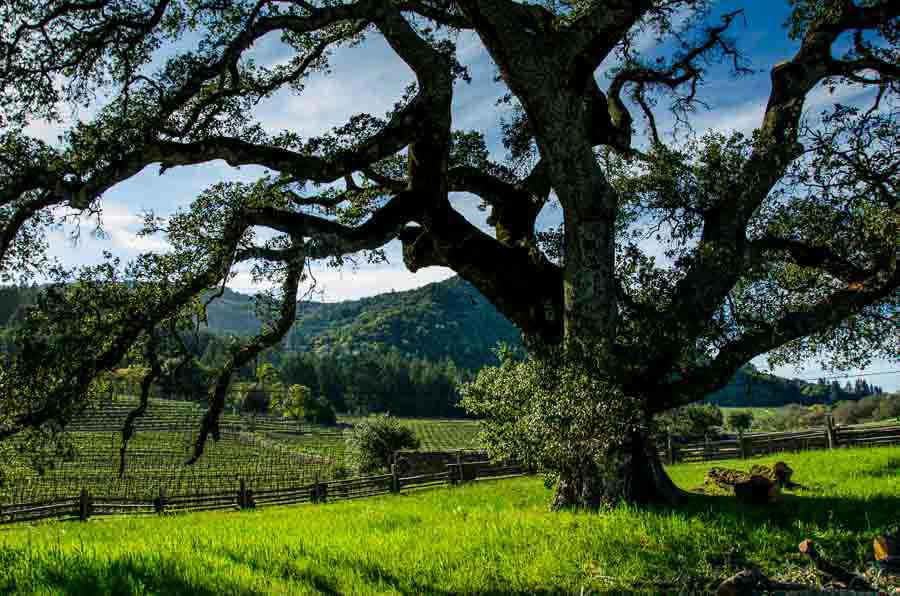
[(781, 242)]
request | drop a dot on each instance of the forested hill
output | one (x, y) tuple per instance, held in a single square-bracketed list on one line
[(439, 322), (449, 320)]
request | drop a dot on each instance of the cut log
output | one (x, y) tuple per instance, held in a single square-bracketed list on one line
[(751, 581), (726, 477), (745, 582), (886, 546), (840, 576), (780, 474), (758, 490)]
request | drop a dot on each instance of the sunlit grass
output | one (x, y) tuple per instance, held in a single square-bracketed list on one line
[(493, 537)]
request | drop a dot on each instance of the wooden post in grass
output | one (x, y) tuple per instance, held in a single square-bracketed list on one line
[(242, 494), (395, 479), (742, 445), (830, 434), (84, 505), (160, 502), (670, 449), (706, 451)]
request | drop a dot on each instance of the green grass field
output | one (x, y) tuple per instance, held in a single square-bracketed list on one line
[(492, 537)]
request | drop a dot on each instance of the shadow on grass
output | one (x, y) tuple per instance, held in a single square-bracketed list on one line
[(849, 513), (375, 576), (892, 468), (122, 577), (852, 513)]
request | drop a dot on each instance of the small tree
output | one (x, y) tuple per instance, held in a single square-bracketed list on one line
[(740, 421), (293, 403), (318, 410), (372, 442), (256, 402)]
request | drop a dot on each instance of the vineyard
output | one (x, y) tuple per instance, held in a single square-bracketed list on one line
[(267, 452), (438, 434)]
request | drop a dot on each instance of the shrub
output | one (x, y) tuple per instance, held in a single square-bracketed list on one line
[(319, 411), (790, 417), (889, 408), (371, 443), (256, 401), (556, 413)]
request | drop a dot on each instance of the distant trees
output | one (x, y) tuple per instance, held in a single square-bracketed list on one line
[(694, 420), (751, 387), (871, 408), (317, 410), (376, 381), (740, 421)]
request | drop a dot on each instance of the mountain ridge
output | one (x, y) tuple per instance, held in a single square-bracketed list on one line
[(446, 321)]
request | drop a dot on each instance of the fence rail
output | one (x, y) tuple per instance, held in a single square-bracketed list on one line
[(85, 506), (752, 444)]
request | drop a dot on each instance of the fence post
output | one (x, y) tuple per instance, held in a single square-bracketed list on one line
[(670, 449), (742, 445), (160, 502), (395, 479), (706, 452), (242, 494), (830, 433), (84, 505)]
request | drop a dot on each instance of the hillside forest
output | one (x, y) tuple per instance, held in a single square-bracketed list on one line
[(405, 353)]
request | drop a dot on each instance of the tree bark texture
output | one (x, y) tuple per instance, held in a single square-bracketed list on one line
[(632, 473)]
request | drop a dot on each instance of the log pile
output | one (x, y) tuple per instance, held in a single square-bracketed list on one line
[(759, 486)]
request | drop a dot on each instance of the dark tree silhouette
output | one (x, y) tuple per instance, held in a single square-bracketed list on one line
[(783, 242)]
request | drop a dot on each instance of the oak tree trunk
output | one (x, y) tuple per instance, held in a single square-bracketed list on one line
[(632, 473)]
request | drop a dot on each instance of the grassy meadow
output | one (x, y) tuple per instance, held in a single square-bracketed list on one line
[(491, 537)]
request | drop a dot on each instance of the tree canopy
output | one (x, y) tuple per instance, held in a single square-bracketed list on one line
[(781, 242)]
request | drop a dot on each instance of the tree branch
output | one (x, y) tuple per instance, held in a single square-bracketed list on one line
[(244, 354), (824, 315)]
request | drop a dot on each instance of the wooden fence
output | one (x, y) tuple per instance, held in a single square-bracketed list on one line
[(752, 444), (243, 496)]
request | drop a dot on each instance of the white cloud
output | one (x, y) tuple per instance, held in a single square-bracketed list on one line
[(365, 79), (349, 284), (352, 283)]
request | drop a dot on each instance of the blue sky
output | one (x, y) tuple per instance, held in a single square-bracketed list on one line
[(370, 78)]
